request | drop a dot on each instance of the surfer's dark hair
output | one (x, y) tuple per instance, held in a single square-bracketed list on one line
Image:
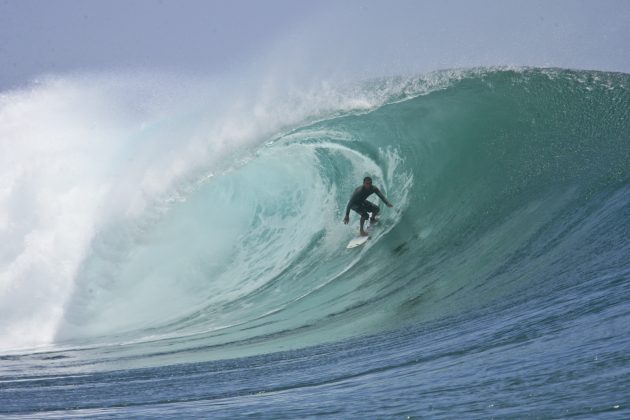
[(367, 178)]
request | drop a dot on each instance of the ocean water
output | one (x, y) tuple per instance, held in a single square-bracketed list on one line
[(188, 259)]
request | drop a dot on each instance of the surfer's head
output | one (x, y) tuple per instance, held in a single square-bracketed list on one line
[(367, 182)]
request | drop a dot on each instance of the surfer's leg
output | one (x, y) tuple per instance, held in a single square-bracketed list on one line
[(364, 216), (361, 230)]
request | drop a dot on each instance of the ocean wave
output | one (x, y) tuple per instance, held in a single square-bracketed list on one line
[(154, 232)]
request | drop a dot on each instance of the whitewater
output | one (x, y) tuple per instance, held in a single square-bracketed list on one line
[(168, 248)]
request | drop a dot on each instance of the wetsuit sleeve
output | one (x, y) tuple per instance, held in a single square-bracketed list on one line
[(381, 196)]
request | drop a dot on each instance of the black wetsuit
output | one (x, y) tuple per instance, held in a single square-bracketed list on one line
[(359, 203)]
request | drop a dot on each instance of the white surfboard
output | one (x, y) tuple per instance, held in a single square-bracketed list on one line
[(359, 240)]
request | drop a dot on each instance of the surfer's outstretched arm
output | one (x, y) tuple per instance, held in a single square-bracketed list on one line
[(382, 197)]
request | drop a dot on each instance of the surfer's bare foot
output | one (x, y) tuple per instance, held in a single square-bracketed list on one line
[(363, 233)]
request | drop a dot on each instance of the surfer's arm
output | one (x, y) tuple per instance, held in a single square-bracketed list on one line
[(348, 208), (382, 197), (353, 200), (346, 219)]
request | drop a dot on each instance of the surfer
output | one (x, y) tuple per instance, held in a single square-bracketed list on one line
[(359, 203)]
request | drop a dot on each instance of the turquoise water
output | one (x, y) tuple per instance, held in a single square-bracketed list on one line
[(497, 286)]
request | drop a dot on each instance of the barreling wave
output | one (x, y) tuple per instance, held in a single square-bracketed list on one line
[(509, 186)]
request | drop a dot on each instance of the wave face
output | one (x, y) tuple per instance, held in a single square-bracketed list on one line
[(502, 266)]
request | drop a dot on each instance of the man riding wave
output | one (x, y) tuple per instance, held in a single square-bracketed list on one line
[(359, 203)]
